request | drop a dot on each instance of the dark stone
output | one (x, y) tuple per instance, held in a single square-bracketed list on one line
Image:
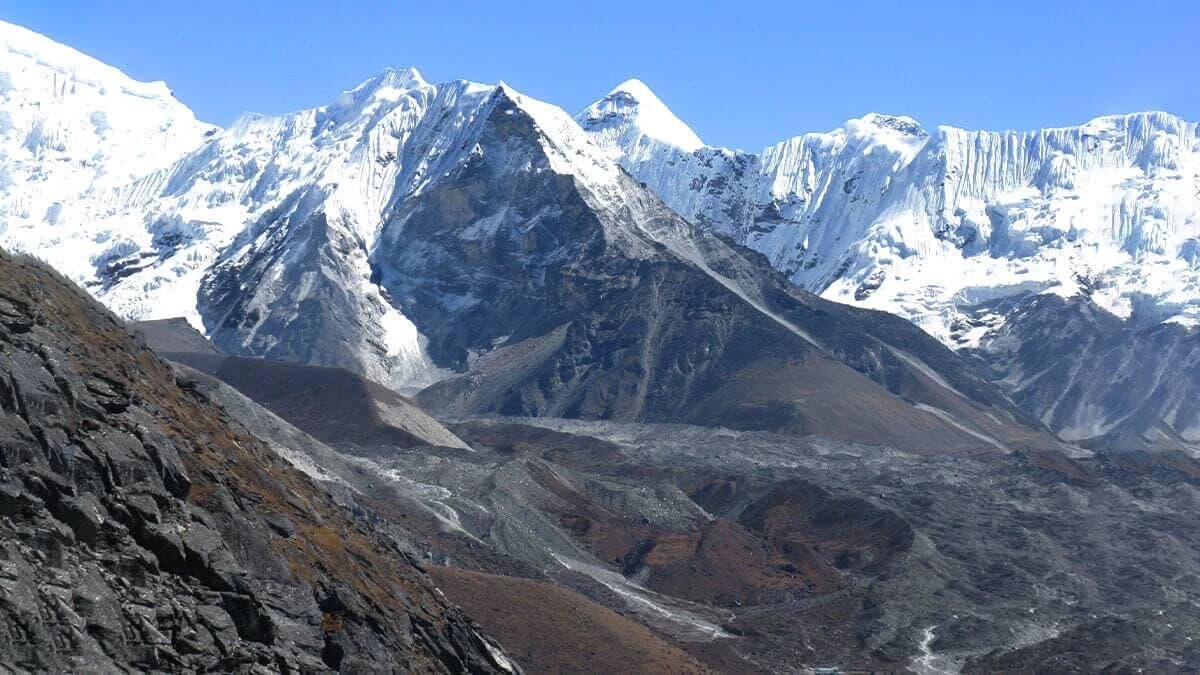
[(84, 515), (166, 546), (166, 459), (143, 508), (281, 524), (112, 396), (333, 652), (13, 499), (249, 618)]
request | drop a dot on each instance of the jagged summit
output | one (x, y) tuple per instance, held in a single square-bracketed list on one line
[(390, 81)]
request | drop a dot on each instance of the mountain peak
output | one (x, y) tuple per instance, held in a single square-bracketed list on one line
[(388, 79), (901, 124), (636, 88), (406, 76), (632, 108), (388, 85)]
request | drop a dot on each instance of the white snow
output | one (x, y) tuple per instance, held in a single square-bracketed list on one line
[(73, 129), (884, 214), (631, 116), (100, 172)]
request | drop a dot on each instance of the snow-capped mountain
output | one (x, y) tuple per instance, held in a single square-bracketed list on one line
[(300, 200), (265, 234), (883, 213), (73, 129), (415, 232)]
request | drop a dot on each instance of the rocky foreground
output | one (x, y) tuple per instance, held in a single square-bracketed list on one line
[(141, 528)]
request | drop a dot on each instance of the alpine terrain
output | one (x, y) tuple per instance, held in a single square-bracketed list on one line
[(439, 377), (961, 232)]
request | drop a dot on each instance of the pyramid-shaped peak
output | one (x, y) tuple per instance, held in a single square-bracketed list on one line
[(637, 89), (635, 108)]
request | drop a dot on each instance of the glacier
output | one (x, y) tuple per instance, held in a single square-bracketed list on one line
[(71, 128), (885, 214)]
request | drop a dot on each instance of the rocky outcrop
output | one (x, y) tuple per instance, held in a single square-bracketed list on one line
[(141, 528), (1092, 377)]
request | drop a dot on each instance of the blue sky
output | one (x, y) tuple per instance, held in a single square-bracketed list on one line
[(742, 74)]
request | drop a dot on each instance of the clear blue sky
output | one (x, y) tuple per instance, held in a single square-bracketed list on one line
[(740, 73)]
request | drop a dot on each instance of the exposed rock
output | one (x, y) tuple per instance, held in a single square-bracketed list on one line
[(1092, 377), (142, 528)]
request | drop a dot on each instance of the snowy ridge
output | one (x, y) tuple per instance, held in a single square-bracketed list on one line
[(240, 230), (71, 129), (884, 214)]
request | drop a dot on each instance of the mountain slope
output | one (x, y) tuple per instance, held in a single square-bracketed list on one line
[(886, 214), (74, 130), (333, 405), (1048, 353), (962, 232), (145, 529)]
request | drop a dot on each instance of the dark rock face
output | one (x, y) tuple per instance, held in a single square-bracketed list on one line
[(595, 301), (306, 267), (140, 528), (1094, 378)]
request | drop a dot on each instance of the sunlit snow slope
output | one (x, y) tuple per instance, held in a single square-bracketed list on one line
[(883, 213), (73, 131)]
